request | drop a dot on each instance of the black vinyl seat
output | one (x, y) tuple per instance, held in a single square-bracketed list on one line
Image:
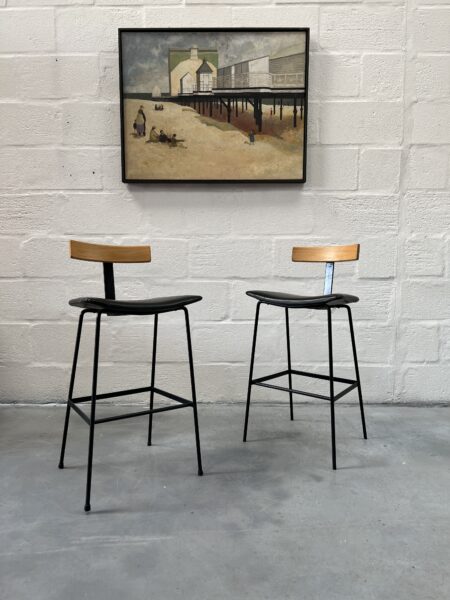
[(294, 301), (149, 306)]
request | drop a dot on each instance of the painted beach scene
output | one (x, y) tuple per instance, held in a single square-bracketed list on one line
[(213, 105)]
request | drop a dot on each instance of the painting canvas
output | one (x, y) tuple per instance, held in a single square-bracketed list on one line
[(213, 105)]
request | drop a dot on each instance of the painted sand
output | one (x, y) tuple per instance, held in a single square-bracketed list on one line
[(213, 148)]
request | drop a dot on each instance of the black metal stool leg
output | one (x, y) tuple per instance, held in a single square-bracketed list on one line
[(291, 400), (250, 377), (355, 360), (331, 373), (87, 505), (150, 417), (194, 396), (71, 386)]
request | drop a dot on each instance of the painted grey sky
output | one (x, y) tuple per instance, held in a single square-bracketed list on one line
[(145, 54)]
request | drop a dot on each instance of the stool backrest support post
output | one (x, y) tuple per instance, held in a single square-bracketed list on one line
[(328, 255), (108, 255)]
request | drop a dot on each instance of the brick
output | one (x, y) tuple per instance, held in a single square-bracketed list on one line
[(25, 213), (48, 77), (276, 16), (427, 167), (27, 30), (376, 300), (379, 169), (426, 212), (362, 28), (447, 259), (432, 2), (79, 215), (215, 2), (190, 16), (309, 345), (220, 259), (445, 342), (49, 257), (91, 124), (109, 78), (425, 300), (353, 216), (430, 123), (15, 346), (424, 256), (288, 215), (377, 384), (10, 250), (332, 168), (48, 168), (334, 75), (418, 342), (112, 169), (361, 123), (54, 342), (431, 28), (93, 29), (432, 77), (32, 299), (29, 124), (169, 258), (130, 2), (215, 305), (24, 3), (313, 122), (378, 260), (283, 2), (28, 383), (270, 347), (425, 383), (382, 76), (190, 213), (132, 343)]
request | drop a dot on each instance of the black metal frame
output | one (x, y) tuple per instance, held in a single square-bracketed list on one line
[(72, 403), (332, 398), (305, 30)]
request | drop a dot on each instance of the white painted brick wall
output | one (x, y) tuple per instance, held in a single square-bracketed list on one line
[(378, 173)]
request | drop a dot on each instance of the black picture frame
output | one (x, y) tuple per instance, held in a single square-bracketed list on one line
[(304, 30)]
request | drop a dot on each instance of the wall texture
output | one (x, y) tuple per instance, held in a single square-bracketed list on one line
[(378, 173)]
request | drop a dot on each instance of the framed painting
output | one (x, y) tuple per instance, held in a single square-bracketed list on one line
[(214, 105)]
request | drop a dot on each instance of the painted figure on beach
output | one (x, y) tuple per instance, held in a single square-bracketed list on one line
[(154, 135), (139, 122)]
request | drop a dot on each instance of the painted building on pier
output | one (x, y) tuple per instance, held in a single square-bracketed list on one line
[(284, 70), (192, 71)]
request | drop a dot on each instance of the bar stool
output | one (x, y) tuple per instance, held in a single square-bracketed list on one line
[(108, 255), (328, 255)]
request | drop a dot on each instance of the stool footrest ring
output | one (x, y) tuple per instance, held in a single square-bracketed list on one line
[(261, 381), (182, 403)]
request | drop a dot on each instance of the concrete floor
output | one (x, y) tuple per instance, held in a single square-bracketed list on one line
[(269, 519)]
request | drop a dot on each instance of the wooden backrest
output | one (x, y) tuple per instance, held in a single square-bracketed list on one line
[(328, 255), (109, 254), (325, 253)]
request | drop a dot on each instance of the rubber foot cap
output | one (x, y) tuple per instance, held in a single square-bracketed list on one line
[(87, 507)]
